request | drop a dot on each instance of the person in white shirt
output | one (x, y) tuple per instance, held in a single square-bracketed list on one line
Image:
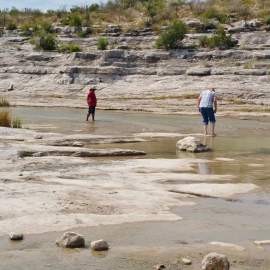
[(206, 101)]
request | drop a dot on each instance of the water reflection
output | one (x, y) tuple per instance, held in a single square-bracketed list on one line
[(204, 168), (99, 254)]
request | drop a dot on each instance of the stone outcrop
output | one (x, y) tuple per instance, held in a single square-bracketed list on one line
[(136, 64)]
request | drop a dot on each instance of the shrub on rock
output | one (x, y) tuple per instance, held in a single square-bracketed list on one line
[(172, 37)]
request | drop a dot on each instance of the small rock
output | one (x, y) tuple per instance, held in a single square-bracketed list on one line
[(11, 88), (215, 261), (15, 236), (38, 136), (99, 245), (187, 261), (71, 240), (159, 266), (77, 144)]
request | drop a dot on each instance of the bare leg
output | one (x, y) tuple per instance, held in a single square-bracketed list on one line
[(87, 116), (205, 129), (213, 130), (93, 116)]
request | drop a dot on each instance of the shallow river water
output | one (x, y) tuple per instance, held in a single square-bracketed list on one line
[(239, 220)]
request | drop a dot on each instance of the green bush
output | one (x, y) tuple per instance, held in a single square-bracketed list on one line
[(44, 41), (203, 41), (75, 20), (63, 47), (102, 43), (25, 28), (82, 34), (46, 26), (17, 123), (172, 37), (72, 47), (210, 13), (266, 20), (217, 40), (11, 26)]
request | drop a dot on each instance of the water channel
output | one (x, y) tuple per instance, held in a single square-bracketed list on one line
[(239, 220)]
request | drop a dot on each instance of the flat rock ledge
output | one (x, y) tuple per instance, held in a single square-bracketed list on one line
[(262, 242), (228, 245), (192, 144), (81, 152)]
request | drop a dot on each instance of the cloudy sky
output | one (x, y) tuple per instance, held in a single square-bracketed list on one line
[(44, 5)]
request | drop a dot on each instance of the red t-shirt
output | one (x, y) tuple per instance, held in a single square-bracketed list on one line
[(91, 98)]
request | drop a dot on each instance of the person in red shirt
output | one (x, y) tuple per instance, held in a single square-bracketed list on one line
[(92, 103)]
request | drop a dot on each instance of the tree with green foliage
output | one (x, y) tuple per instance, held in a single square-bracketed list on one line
[(172, 37), (93, 8)]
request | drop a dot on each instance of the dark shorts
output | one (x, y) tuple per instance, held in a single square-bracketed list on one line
[(91, 109), (208, 115)]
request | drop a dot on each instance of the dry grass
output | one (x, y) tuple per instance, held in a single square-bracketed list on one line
[(55, 96), (191, 96), (5, 119), (237, 101), (252, 110), (4, 102), (163, 97)]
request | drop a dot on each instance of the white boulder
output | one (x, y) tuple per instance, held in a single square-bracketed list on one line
[(192, 144)]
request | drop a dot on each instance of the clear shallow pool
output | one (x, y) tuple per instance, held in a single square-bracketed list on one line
[(69, 120), (244, 144)]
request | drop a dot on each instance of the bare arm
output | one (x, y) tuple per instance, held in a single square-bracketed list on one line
[(199, 101), (215, 104)]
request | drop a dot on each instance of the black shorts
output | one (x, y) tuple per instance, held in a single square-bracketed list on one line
[(91, 109)]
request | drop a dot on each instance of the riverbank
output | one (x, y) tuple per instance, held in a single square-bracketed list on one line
[(144, 206)]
